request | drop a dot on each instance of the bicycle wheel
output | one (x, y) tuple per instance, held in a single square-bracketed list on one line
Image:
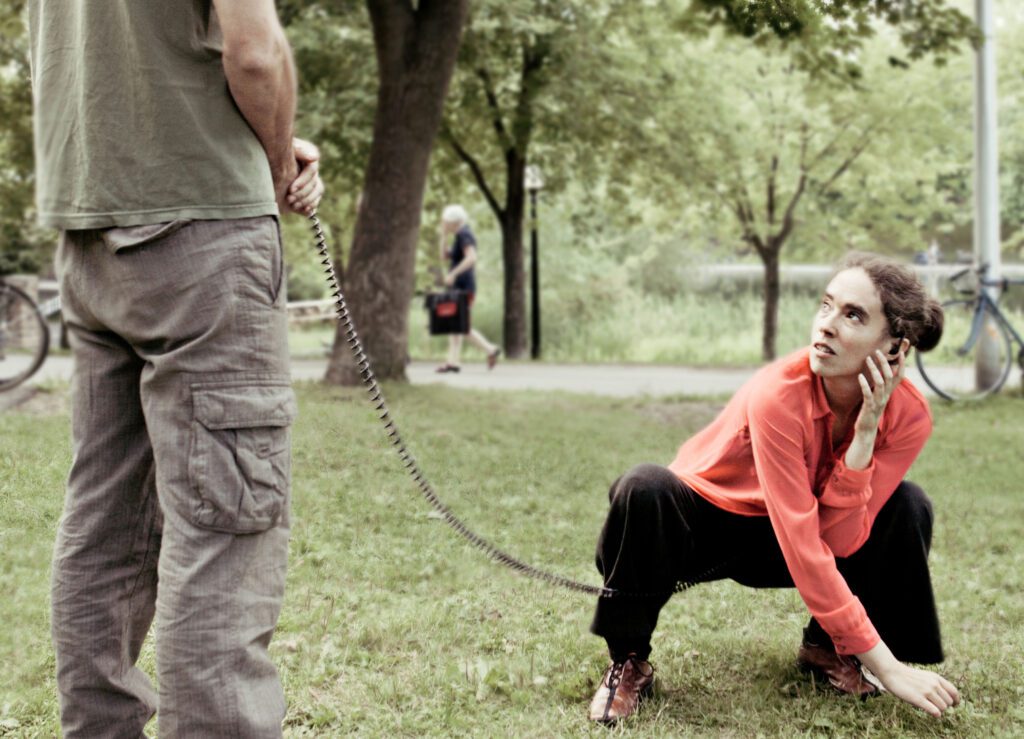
[(24, 337), (951, 368)]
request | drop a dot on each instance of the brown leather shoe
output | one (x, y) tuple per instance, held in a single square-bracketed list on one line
[(841, 672), (622, 688)]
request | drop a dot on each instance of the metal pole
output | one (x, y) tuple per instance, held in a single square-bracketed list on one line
[(534, 281), (986, 181)]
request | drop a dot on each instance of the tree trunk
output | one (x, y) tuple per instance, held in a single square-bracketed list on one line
[(512, 255), (416, 52), (770, 257)]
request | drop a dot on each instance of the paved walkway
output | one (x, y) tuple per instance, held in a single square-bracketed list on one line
[(617, 380)]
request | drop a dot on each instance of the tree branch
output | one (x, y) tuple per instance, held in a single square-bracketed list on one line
[(858, 149), (745, 212), (845, 164), (743, 197), (474, 167), (755, 241), (827, 149), (787, 218), (529, 87), (805, 140), (498, 120)]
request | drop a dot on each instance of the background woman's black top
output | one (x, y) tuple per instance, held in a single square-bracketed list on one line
[(463, 238)]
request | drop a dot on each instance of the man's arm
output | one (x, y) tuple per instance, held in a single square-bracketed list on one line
[(261, 76)]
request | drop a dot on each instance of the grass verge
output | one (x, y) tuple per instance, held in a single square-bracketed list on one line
[(394, 627)]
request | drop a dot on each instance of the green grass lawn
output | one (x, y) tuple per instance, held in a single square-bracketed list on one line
[(392, 626)]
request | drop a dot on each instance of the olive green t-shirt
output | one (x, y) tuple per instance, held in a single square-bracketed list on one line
[(134, 122)]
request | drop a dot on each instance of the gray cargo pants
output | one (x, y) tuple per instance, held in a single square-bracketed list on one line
[(178, 496)]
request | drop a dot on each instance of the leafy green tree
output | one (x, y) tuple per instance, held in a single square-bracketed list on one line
[(23, 246), (544, 82), (334, 53), (415, 44), (830, 32), (776, 147), (774, 131), (568, 79)]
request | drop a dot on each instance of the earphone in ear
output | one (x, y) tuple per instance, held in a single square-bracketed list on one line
[(894, 351)]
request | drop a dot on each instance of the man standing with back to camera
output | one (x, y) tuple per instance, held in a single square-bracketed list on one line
[(164, 154)]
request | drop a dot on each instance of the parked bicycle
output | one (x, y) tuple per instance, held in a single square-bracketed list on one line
[(973, 325), (24, 335)]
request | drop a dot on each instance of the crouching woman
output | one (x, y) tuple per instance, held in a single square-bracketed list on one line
[(799, 482)]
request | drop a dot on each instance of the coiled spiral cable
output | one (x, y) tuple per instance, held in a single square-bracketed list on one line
[(413, 468)]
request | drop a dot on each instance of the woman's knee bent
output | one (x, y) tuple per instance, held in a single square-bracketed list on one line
[(644, 485), (912, 507)]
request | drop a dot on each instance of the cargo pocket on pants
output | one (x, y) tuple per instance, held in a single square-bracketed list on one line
[(240, 460)]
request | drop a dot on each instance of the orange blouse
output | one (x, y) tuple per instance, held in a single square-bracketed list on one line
[(770, 452)]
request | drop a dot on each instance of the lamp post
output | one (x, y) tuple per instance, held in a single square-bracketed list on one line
[(986, 183), (534, 182)]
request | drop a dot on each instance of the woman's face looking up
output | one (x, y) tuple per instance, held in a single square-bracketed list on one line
[(850, 325)]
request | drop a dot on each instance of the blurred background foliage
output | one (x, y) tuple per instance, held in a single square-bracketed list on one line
[(649, 116), (650, 122)]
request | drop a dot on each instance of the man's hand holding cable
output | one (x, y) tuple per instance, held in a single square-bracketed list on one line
[(306, 189)]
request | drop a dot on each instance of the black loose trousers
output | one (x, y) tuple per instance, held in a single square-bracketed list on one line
[(660, 532)]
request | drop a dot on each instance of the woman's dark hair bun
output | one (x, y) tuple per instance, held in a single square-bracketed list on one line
[(932, 330)]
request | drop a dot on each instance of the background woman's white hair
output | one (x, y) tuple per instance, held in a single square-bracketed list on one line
[(455, 214)]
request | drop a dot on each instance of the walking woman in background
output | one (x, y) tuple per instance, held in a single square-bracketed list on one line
[(798, 483), (461, 258)]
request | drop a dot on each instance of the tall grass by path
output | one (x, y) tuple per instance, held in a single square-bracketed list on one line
[(695, 329), (392, 626), (701, 329)]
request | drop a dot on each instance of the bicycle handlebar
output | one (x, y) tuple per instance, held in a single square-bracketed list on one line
[(1003, 283)]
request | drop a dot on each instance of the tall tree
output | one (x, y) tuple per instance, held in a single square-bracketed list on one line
[(416, 46), (23, 246), (565, 78), (507, 57), (561, 82), (536, 82), (771, 143), (794, 135)]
